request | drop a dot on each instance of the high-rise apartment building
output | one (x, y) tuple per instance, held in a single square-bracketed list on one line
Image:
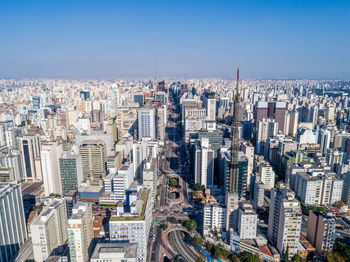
[(258, 194), (146, 123), (272, 110), (204, 163), (161, 122), (93, 154), (321, 231), (211, 106), (71, 171), (214, 216), (49, 230), (247, 221), (284, 221), (80, 232), (49, 155), (318, 190), (143, 150), (267, 175), (13, 230), (266, 128)]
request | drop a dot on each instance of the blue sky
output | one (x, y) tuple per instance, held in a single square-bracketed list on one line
[(111, 39)]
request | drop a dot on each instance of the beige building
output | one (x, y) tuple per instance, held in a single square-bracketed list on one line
[(49, 229), (80, 232), (93, 154), (320, 231), (284, 224)]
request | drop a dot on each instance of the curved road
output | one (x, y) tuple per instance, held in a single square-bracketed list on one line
[(178, 245)]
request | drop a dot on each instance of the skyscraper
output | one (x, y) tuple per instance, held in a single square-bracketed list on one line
[(80, 232), (146, 123), (50, 168), (272, 110), (13, 230), (204, 163), (93, 154), (71, 171), (30, 151)]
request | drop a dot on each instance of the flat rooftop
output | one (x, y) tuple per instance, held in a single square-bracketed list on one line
[(102, 249)]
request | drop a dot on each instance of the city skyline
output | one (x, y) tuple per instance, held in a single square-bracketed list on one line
[(89, 40)]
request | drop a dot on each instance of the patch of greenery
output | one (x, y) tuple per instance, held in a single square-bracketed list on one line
[(313, 208), (174, 182), (172, 220), (341, 252), (198, 242), (190, 224), (144, 197), (199, 187)]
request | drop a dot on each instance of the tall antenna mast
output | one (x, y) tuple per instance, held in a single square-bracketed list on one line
[(234, 167)]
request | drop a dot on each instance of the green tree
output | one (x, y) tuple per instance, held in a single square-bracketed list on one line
[(221, 252), (209, 247), (246, 257), (165, 227), (174, 182), (215, 233), (198, 242), (342, 249), (286, 255), (190, 224), (234, 258), (200, 259), (334, 257), (172, 220), (195, 194), (296, 258), (199, 187)]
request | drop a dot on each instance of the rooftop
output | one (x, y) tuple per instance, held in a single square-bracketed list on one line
[(129, 216)]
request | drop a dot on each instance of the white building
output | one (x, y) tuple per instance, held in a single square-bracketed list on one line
[(80, 232), (122, 180), (247, 222), (267, 175), (266, 128), (115, 252), (309, 189), (134, 227), (50, 169), (13, 230), (49, 229), (146, 123), (214, 216), (307, 136), (141, 151), (204, 163), (319, 190)]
